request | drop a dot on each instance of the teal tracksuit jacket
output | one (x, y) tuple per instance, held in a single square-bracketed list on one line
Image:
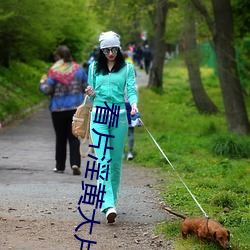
[(109, 140)]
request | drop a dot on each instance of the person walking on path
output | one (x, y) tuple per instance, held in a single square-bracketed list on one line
[(131, 129), (108, 78), (147, 54), (65, 84)]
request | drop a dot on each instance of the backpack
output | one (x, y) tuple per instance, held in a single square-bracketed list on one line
[(81, 125)]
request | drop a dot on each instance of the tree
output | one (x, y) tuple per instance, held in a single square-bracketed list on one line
[(126, 17), (223, 38), (28, 33), (159, 46), (201, 99), (23, 33)]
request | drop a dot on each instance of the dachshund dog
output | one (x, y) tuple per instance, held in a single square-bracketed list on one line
[(204, 229)]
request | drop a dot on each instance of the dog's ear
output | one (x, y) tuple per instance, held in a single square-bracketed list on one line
[(228, 237), (214, 235)]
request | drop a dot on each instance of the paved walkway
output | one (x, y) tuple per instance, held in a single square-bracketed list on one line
[(141, 78), (38, 208)]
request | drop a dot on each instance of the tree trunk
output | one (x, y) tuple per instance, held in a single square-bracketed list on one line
[(159, 47), (201, 99), (223, 38), (235, 109)]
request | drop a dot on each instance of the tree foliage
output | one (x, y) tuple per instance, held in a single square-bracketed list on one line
[(126, 17), (28, 33), (242, 34), (241, 18)]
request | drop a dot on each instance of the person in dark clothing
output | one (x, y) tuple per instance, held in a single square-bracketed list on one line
[(139, 56), (65, 83), (93, 55), (147, 54)]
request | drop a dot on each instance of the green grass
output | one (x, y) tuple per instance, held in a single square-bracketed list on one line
[(214, 164), (19, 88)]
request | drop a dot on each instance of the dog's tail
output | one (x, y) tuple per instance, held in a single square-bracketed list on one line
[(175, 213)]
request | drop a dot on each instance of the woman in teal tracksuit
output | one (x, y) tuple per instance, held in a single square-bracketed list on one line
[(108, 77)]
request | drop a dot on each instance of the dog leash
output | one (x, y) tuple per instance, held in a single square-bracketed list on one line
[(174, 170)]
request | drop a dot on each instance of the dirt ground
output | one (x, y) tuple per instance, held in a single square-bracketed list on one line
[(39, 208)]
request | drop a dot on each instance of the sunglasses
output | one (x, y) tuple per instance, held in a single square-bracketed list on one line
[(106, 51)]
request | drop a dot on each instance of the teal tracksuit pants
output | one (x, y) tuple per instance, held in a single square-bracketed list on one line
[(115, 155)]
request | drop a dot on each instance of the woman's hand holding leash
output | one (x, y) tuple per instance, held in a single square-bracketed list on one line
[(134, 109)]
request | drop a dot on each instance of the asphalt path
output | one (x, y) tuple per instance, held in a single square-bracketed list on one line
[(29, 189)]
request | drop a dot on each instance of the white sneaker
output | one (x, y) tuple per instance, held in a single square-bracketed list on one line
[(58, 171), (76, 170), (111, 214), (129, 156)]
